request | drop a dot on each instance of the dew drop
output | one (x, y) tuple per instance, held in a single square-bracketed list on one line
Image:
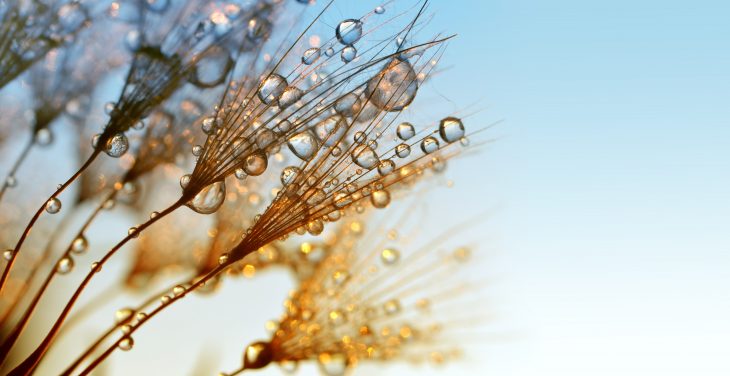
[(8, 254), (391, 307), (209, 125), (133, 232), (348, 105), (255, 164), (380, 198), (389, 256), (264, 138), (43, 137), (178, 290), (11, 181), (331, 130), (403, 150), (315, 227), (329, 52), (65, 265), (272, 88), (394, 87), (379, 9), (348, 54), (133, 40), (289, 366), (197, 150), (126, 344), (79, 245), (310, 56), (185, 180), (117, 145), (365, 157), (240, 174), (257, 355), (209, 199), (451, 129), (53, 205), (385, 167), (429, 145), (349, 31), (288, 174), (303, 145), (283, 126), (123, 315), (405, 131), (289, 96), (332, 364), (222, 259), (211, 67)]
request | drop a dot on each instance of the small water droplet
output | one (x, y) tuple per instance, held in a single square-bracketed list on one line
[(178, 290), (126, 344), (365, 157), (329, 52), (332, 364), (43, 137), (255, 164), (53, 205), (429, 145), (303, 145), (197, 150), (310, 56), (8, 254), (133, 232), (65, 265), (380, 198), (348, 54), (405, 131), (79, 245), (288, 174), (185, 180), (385, 167), (123, 315), (379, 9), (389, 256)]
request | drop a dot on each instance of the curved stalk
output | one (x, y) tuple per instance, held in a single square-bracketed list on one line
[(13, 170)]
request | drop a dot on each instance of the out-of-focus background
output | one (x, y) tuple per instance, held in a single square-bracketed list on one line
[(604, 196)]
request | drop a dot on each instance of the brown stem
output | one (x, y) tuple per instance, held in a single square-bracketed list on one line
[(38, 213), (31, 362), (152, 314), (16, 165)]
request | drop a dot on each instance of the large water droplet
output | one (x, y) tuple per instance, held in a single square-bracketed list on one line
[(209, 199), (365, 157), (79, 245), (303, 145), (348, 105), (272, 88), (53, 205), (256, 164), (349, 31), (65, 265), (310, 56), (451, 129), (403, 150), (291, 95), (117, 145), (385, 167), (126, 344), (331, 130), (394, 87)]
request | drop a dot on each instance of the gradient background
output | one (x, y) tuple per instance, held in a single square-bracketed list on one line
[(605, 193)]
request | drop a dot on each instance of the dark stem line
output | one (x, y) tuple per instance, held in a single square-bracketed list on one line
[(29, 365), (38, 213), (152, 314), (21, 158)]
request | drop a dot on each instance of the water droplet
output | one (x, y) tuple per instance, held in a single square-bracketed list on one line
[(429, 145), (211, 67), (365, 157), (289, 366), (123, 315), (315, 227), (348, 54), (303, 145), (133, 40), (337, 317), (79, 245), (117, 145), (109, 107), (126, 343), (240, 174), (95, 267), (340, 277), (389, 256), (185, 180), (394, 87), (256, 163), (264, 138), (403, 150), (348, 105), (391, 307), (310, 56), (291, 95), (331, 130), (178, 290), (332, 364), (283, 126), (379, 9), (53, 205), (209, 199), (65, 265), (11, 181), (222, 259), (258, 29), (209, 125), (133, 232), (385, 167), (8, 254), (43, 137), (329, 52), (288, 174), (272, 88), (197, 150), (405, 131), (451, 129), (380, 198), (315, 196), (349, 31), (257, 355)]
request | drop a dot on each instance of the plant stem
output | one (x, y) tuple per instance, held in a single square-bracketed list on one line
[(16, 165), (152, 314), (38, 213), (31, 362)]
